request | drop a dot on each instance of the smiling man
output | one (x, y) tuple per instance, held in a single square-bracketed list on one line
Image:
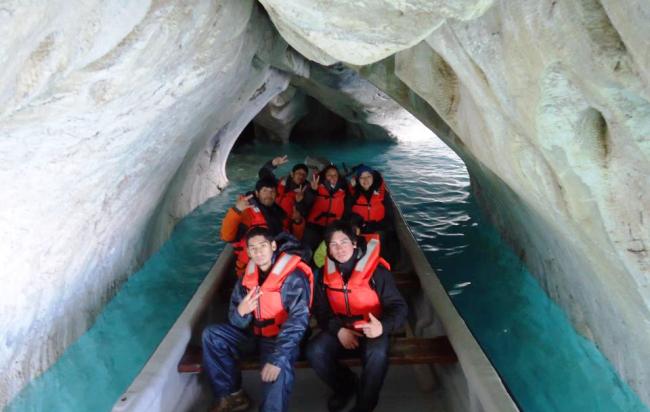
[(269, 309), (290, 189), (257, 209)]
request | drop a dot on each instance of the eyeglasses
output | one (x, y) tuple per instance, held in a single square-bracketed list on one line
[(342, 243)]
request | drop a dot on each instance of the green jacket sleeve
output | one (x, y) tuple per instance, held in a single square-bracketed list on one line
[(320, 255)]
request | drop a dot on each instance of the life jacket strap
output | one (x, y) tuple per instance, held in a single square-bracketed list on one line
[(262, 323), (351, 319), (324, 214), (337, 289)]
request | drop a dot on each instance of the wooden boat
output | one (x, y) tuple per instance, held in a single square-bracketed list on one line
[(436, 363)]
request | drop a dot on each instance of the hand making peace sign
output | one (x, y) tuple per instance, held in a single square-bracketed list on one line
[(280, 160), (250, 302), (314, 181)]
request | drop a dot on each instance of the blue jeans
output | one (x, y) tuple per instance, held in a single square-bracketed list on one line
[(323, 352), (223, 344)]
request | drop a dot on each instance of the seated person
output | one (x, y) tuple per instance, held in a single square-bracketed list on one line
[(257, 209), (269, 309), (357, 305), (370, 200), (290, 189), (320, 254), (325, 200)]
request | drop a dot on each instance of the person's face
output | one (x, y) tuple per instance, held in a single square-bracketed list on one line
[(332, 176), (365, 180), (340, 247), (299, 176), (266, 196), (260, 250)]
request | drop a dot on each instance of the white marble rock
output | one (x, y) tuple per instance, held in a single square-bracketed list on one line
[(548, 104)]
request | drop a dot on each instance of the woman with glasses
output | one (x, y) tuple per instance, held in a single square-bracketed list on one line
[(357, 306)]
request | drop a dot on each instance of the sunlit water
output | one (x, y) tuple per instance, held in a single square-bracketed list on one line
[(545, 364)]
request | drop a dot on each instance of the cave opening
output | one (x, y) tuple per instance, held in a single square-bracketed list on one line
[(315, 123)]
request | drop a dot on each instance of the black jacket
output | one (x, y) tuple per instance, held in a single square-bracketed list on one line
[(393, 305)]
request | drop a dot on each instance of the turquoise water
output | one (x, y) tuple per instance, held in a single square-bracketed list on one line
[(545, 364)]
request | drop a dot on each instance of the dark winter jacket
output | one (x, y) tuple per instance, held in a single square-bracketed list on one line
[(394, 308), (295, 299)]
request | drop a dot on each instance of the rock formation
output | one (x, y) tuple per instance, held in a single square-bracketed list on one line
[(117, 121), (547, 103)]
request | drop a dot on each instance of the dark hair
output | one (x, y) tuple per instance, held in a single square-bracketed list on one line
[(265, 182), (259, 231), (300, 166), (356, 220), (340, 226), (330, 166), (363, 168)]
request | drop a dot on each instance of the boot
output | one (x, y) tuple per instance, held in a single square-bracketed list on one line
[(234, 402), (340, 399)]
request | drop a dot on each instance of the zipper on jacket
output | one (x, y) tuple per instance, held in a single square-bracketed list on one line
[(329, 211), (347, 302), (258, 310)]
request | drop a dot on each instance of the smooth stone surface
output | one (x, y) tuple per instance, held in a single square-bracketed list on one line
[(116, 122), (548, 104)]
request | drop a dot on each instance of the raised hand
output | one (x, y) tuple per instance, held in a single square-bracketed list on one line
[(300, 193), (280, 160), (250, 301), (371, 329), (314, 181), (242, 202), (270, 372), (353, 181), (348, 338)]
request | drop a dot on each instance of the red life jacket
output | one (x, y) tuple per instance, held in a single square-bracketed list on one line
[(270, 314), (354, 300), (327, 207), (285, 198), (257, 219), (373, 210)]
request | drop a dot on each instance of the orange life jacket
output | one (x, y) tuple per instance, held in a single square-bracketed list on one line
[(373, 210), (327, 207), (354, 300), (270, 313), (257, 220), (285, 198), (370, 236)]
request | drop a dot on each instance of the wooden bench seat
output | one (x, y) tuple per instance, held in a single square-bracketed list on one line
[(403, 351)]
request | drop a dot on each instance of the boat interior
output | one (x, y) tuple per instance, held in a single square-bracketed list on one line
[(435, 362)]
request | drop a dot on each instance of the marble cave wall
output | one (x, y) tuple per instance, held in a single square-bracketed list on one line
[(548, 104), (117, 121)]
